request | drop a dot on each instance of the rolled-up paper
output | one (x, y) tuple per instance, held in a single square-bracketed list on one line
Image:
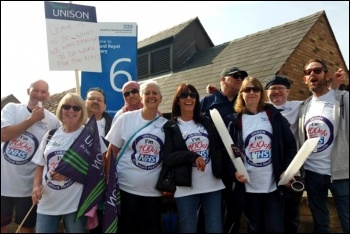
[(299, 159), (228, 142), (40, 104)]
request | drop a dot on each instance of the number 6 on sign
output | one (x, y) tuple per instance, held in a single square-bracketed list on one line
[(227, 140)]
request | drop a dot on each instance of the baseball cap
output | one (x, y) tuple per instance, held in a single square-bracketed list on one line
[(277, 80), (231, 70)]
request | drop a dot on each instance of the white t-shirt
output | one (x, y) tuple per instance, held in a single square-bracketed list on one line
[(138, 168), (58, 198), (101, 124), (17, 169), (116, 116), (257, 135), (196, 139), (290, 110), (319, 122)]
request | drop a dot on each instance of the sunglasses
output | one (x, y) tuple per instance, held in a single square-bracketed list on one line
[(316, 70), (249, 89), (133, 91), (184, 95), (67, 107), (237, 76)]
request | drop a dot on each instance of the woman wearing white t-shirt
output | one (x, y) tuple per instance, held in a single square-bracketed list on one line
[(192, 149), (56, 195), (137, 140), (264, 136)]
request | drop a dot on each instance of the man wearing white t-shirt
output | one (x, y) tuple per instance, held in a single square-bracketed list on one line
[(277, 89), (326, 115), (22, 129)]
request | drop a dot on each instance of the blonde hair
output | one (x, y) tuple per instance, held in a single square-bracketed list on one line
[(240, 106), (77, 100)]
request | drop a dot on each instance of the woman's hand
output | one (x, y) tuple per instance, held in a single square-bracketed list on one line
[(37, 193), (240, 177), (200, 163)]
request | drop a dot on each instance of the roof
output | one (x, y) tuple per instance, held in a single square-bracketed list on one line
[(169, 33), (8, 99), (261, 54)]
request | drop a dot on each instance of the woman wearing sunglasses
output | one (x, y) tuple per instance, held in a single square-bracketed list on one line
[(132, 98), (137, 142), (192, 149), (58, 196), (264, 136)]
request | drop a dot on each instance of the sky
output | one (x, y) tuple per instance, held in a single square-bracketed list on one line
[(24, 51)]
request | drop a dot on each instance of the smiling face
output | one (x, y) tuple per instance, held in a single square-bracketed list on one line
[(316, 78), (277, 94), (71, 117), (38, 91), (187, 101), (151, 96)]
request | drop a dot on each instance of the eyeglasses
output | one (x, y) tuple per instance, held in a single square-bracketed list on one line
[(95, 99), (316, 70), (237, 76), (133, 91), (279, 89), (67, 107), (249, 89), (184, 95)]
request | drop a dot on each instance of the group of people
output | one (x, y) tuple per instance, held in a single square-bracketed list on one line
[(210, 194)]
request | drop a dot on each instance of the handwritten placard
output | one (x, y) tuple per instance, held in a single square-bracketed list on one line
[(73, 41)]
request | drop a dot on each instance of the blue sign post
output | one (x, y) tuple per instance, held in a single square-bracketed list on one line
[(118, 48)]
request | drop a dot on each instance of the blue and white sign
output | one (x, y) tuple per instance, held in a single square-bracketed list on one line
[(72, 37), (118, 48)]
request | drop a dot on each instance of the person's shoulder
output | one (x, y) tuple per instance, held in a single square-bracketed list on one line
[(12, 105), (161, 121)]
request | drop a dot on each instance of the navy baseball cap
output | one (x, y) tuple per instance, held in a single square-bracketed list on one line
[(231, 70)]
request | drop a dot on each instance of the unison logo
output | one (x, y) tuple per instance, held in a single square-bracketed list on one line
[(70, 14)]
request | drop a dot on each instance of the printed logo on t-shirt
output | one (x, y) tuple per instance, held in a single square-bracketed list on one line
[(53, 159), (21, 150), (258, 148), (198, 143), (146, 151), (42, 124), (320, 126)]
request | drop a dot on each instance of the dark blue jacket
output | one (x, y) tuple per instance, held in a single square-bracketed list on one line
[(220, 102)]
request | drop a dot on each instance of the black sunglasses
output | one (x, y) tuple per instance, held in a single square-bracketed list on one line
[(133, 91), (316, 70), (249, 89), (184, 95), (237, 76), (67, 107)]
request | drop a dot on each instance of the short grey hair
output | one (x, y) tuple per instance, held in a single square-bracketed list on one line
[(146, 84)]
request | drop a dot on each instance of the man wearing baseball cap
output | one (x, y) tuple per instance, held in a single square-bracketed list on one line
[(223, 100)]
